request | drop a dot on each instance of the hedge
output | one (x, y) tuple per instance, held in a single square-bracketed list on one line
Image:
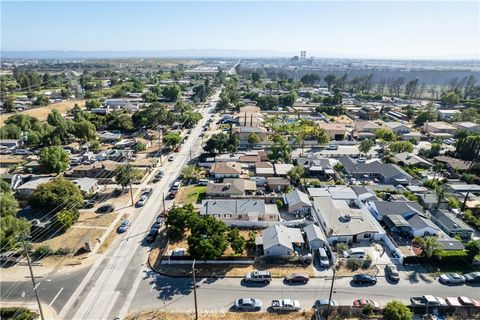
[(18, 313)]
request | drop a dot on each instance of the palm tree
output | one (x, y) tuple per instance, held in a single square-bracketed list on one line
[(365, 146), (430, 246), (437, 167), (440, 192)]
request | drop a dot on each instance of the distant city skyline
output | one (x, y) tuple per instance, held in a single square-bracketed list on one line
[(359, 29)]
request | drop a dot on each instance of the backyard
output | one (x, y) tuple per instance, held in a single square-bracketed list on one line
[(190, 194)]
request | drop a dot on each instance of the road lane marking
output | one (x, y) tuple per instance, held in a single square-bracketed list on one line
[(56, 296)]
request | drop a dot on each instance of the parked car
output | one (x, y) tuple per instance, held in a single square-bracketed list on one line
[(427, 300), (323, 258), (158, 176), (106, 208), (360, 303), (123, 226), (248, 304), (258, 276), (203, 182), (297, 278), (285, 305), (152, 235), (89, 204), (141, 202), (364, 278), (172, 194), (472, 277), (354, 253), (452, 278), (176, 185), (177, 149), (322, 303), (332, 147), (392, 272), (171, 158)]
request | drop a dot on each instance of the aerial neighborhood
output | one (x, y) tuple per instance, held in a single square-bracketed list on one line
[(260, 185)]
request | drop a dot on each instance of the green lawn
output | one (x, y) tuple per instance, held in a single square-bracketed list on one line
[(190, 194)]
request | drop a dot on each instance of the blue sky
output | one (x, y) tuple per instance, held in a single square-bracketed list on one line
[(379, 29)]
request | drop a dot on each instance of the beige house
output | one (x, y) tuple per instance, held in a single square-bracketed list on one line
[(243, 133), (469, 127), (231, 188), (439, 128), (335, 131), (222, 170)]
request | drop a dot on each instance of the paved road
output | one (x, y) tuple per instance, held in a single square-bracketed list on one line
[(110, 286), (175, 294)]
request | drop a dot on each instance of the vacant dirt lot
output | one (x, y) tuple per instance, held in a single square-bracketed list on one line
[(41, 113)]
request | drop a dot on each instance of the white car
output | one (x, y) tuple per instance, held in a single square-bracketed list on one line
[(143, 199), (452, 278)]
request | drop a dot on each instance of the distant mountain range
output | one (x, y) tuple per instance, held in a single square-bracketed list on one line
[(185, 53)]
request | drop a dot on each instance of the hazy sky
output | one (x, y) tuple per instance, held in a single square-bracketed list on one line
[(385, 29)]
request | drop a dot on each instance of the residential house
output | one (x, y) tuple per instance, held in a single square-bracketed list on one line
[(243, 133), (335, 131), (282, 169), (315, 236), (469, 127), (451, 224), (369, 113), (380, 209), (439, 129), (99, 170), (429, 201), (221, 170), (454, 164), (114, 155), (278, 184), (386, 173), (25, 190), (231, 188), (316, 166), (397, 127), (447, 114), (365, 130), (88, 186), (10, 143), (244, 212), (410, 159), (279, 240), (345, 220), (462, 188), (108, 136), (413, 135), (264, 169), (297, 203)]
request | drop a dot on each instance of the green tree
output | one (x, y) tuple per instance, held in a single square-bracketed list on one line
[(395, 310), (280, 151), (450, 98), (172, 139), (8, 204), (365, 146), (253, 139), (437, 168), (54, 159), (221, 142), (401, 146), (4, 186), (149, 96), (93, 103), (42, 100), (172, 92), (385, 135), (190, 173), (140, 146), (236, 240), (424, 116), (9, 104), (207, 239), (295, 174), (330, 81), (55, 195), (11, 228), (430, 246), (66, 218), (473, 249), (468, 148), (178, 219), (124, 175), (84, 130)]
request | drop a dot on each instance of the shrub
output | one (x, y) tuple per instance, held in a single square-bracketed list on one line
[(368, 309), (339, 182), (63, 251), (66, 218), (367, 262), (354, 263), (395, 310), (43, 251), (251, 240), (17, 313), (341, 246), (279, 203)]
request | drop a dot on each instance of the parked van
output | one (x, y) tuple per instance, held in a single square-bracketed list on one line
[(176, 185), (203, 182), (354, 253), (323, 258), (258, 276)]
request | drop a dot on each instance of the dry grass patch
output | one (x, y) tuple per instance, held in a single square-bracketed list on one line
[(96, 220), (162, 314), (109, 239), (41, 113), (190, 194)]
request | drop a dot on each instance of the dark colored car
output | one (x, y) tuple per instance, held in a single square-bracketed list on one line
[(472, 277), (297, 278), (106, 208), (172, 194), (152, 235), (89, 204), (364, 278)]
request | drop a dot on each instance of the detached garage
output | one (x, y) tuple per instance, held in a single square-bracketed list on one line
[(315, 237)]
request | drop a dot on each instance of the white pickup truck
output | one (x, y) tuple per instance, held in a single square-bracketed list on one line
[(285, 305)]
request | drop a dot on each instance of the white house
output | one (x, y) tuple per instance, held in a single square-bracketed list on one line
[(278, 240)]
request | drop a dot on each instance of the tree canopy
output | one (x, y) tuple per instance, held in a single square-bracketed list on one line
[(55, 195), (395, 310), (54, 159)]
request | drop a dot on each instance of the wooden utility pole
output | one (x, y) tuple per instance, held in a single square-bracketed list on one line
[(194, 289), (330, 295), (25, 251)]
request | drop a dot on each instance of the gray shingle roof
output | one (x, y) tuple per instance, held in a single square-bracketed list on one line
[(397, 207), (314, 232), (449, 220), (297, 196), (233, 206), (281, 235), (418, 222), (387, 170)]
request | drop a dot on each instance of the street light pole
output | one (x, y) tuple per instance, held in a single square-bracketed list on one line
[(194, 289), (33, 278)]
